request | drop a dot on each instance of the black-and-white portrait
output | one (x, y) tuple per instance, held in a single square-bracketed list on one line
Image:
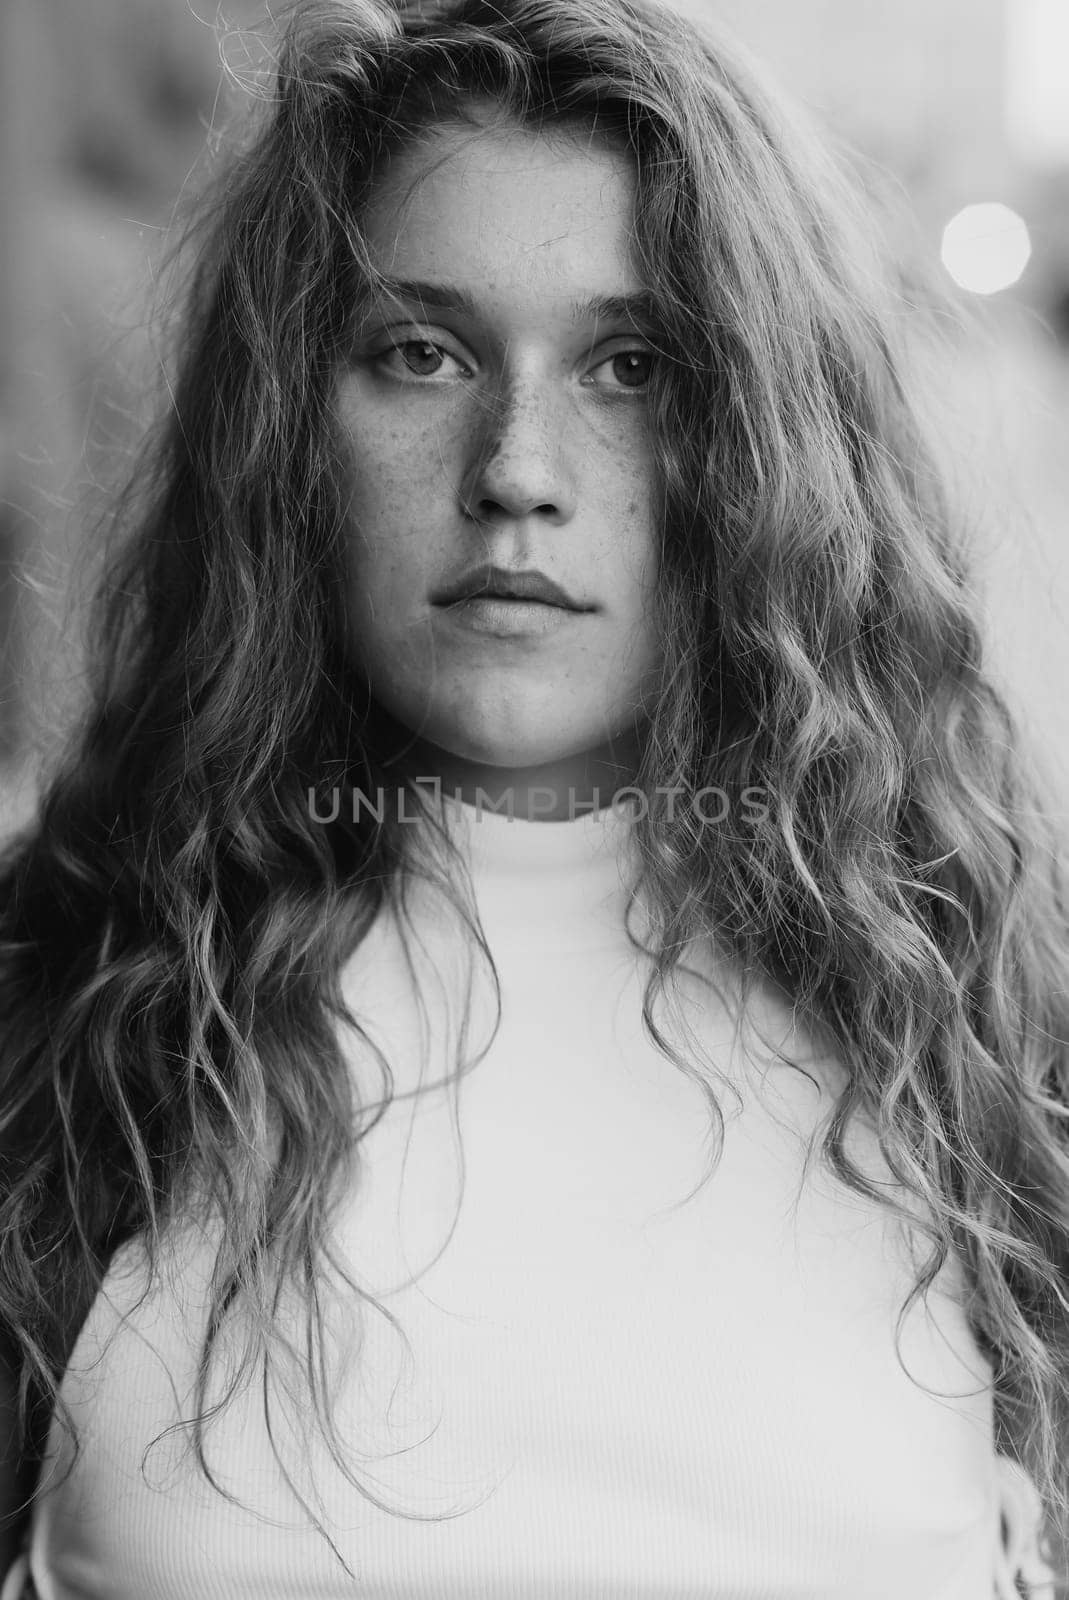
[(534, 775)]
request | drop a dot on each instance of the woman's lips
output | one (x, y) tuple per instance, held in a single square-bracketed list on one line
[(508, 618)]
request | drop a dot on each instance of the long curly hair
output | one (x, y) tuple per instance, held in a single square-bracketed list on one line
[(174, 920)]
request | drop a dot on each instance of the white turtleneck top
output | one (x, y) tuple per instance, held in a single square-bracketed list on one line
[(606, 1393)]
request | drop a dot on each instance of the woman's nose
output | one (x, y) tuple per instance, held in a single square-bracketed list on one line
[(520, 465)]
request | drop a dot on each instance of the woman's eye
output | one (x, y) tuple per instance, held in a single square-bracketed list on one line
[(421, 357), (630, 368)]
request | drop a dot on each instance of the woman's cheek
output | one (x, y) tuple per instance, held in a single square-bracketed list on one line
[(415, 461)]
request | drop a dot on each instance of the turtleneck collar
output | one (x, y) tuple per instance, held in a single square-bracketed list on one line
[(546, 885)]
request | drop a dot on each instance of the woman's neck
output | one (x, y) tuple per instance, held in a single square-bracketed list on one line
[(554, 791)]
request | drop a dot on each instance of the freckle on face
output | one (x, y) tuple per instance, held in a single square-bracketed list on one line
[(517, 456)]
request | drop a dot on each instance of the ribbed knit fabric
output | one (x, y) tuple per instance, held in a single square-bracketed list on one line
[(603, 1396)]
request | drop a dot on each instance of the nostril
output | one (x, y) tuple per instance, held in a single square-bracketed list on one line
[(488, 510)]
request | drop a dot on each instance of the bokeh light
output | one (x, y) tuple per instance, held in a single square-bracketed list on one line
[(986, 247)]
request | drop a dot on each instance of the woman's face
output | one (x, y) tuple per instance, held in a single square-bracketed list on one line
[(494, 411)]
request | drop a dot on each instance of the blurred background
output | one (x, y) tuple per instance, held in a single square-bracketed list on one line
[(108, 108)]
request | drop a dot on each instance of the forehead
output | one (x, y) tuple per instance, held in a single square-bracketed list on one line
[(507, 211)]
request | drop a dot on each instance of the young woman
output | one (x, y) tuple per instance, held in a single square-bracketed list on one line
[(383, 951)]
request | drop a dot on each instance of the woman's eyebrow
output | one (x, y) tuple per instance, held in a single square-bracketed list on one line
[(640, 308)]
